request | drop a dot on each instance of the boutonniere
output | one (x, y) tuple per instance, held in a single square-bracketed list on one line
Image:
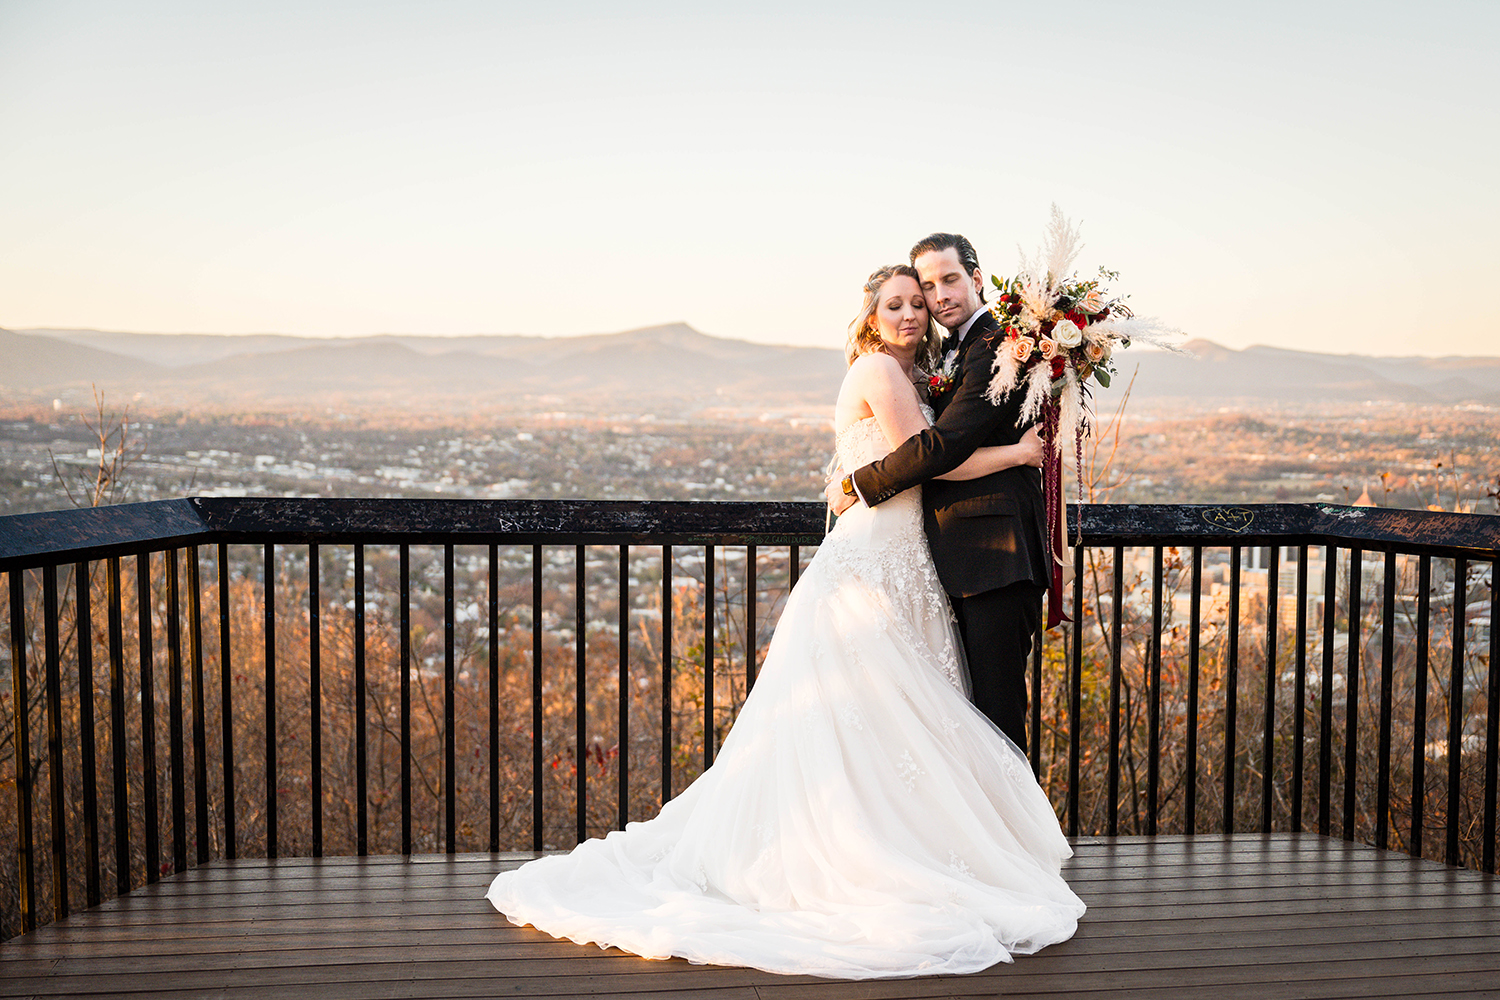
[(942, 380)]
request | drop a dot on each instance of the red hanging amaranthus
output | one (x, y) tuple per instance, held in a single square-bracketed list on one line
[(1052, 492)]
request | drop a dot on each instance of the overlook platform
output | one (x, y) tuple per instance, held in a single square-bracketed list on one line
[(1246, 915)]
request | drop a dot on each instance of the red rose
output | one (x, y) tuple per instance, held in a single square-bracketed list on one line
[(1058, 364)]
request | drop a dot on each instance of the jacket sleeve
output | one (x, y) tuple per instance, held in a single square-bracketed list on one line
[(961, 428)]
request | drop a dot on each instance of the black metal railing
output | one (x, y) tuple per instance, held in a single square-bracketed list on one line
[(447, 704)]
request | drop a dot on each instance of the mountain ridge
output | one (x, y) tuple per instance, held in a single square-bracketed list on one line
[(671, 365)]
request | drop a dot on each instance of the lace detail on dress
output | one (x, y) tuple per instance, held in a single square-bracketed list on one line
[(909, 770), (1015, 766), (885, 548)]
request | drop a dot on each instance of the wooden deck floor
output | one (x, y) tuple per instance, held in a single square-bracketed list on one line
[(1246, 916)]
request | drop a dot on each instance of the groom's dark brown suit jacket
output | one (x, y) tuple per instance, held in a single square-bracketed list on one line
[(985, 533)]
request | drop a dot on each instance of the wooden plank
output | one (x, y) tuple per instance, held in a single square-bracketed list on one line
[(1263, 882), (1277, 930), (1243, 916), (1431, 987), (424, 989), (563, 958), (1312, 873)]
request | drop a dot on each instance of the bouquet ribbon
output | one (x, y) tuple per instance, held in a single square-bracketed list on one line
[(1052, 492)]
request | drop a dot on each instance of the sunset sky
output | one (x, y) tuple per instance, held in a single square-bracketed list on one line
[(1308, 174)]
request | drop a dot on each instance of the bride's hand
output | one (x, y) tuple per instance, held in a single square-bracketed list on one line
[(1033, 451), (838, 500)]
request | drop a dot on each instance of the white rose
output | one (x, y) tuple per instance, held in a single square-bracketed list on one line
[(1067, 334)]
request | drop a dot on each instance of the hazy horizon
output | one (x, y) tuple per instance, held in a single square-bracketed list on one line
[(1136, 349), (1301, 176)]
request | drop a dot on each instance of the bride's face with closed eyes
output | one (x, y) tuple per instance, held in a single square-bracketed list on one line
[(901, 316)]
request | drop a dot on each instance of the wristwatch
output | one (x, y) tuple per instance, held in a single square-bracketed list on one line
[(848, 487)]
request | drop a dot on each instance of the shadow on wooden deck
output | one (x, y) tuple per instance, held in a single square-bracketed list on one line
[(1284, 915)]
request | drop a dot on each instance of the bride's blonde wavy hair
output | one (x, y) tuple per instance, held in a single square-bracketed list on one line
[(864, 336)]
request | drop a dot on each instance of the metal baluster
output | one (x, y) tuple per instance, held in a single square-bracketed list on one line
[(1456, 701), (315, 693), (268, 576), (1153, 721), (52, 692), (666, 674), (708, 656), (1075, 695), (450, 741), (405, 584), (536, 697), (85, 635), (361, 744), (1492, 724), (1195, 628), (1113, 821), (494, 651), (1299, 713), (622, 744), (580, 693), (1268, 735), (25, 862), (1419, 706), (1387, 670), (752, 600)]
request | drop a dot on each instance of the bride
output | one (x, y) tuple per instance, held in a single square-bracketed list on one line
[(863, 819)]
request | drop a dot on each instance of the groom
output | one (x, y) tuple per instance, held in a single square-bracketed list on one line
[(988, 534)]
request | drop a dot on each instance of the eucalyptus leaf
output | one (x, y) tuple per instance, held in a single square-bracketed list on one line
[(1102, 377)]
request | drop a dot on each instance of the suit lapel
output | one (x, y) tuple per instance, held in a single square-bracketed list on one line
[(983, 325)]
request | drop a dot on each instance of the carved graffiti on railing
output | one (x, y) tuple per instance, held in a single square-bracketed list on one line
[(1235, 519)]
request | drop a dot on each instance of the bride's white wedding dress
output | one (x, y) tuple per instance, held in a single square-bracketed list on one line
[(862, 820)]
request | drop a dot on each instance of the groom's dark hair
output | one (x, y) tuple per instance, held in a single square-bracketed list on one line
[(938, 242)]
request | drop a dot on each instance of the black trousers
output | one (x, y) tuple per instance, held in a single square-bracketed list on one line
[(998, 628)]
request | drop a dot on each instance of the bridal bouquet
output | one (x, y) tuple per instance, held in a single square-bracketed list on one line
[(1060, 331)]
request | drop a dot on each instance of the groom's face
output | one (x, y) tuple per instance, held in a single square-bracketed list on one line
[(952, 294)]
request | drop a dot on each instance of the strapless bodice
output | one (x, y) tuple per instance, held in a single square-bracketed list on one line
[(863, 442)]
